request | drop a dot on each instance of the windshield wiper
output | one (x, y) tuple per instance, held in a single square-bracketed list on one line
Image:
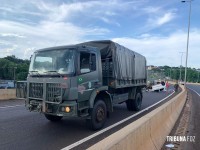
[(54, 71), (34, 71)]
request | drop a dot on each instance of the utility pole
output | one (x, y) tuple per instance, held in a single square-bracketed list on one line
[(180, 78), (14, 75), (171, 73), (188, 35)]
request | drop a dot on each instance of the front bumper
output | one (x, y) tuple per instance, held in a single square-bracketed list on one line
[(53, 109), (44, 95)]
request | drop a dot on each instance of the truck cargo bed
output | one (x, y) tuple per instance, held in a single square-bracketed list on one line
[(121, 67)]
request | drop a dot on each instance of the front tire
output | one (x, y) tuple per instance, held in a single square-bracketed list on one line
[(98, 115), (53, 118)]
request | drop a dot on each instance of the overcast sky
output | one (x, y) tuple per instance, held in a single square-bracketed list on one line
[(155, 28)]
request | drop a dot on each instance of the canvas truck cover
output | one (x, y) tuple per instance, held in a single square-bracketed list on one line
[(127, 64)]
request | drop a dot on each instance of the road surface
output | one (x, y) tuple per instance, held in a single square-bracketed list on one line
[(21, 129)]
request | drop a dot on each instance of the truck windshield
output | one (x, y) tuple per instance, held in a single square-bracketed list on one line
[(52, 62)]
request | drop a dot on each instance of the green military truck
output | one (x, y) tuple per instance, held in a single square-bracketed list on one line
[(85, 80)]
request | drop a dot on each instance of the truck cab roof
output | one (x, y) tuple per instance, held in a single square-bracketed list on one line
[(65, 47)]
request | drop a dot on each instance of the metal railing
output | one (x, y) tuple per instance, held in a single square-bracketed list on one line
[(21, 89)]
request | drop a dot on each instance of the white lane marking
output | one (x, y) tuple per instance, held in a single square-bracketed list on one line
[(112, 126), (11, 106), (194, 91)]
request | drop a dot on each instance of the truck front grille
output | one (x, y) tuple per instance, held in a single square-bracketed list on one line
[(36, 90), (54, 92)]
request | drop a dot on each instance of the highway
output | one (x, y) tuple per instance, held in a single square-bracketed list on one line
[(193, 126), (21, 129), (195, 88)]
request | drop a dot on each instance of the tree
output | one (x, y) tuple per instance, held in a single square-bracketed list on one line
[(10, 64), (174, 73)]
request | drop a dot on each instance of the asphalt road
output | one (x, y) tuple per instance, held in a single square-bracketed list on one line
[(194, 87), (193, 127), (21, 129)]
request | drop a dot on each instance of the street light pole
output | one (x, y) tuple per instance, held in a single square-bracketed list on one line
[(181, 65), (14, 75), (188, 35), (170, 72)]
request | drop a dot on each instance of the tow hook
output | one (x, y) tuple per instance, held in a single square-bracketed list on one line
[(30, 107), (39, 108)]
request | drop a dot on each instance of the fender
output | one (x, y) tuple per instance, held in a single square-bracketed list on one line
[(95, 94)]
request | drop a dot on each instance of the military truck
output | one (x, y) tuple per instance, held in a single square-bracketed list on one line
[(85, 80)]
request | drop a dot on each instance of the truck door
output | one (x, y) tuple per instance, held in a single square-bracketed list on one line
[(87, 74)]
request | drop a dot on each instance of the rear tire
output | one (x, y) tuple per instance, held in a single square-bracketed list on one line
[(134, 104), (98, 115), (129, 105), (137, 103), (53, 118)]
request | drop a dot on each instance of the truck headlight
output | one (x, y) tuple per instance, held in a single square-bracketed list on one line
[(67, 109)]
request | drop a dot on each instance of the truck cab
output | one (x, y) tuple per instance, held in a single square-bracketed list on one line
[(62, 74)]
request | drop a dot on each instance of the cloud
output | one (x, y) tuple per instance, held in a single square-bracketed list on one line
[(164, 50), (9, 51), (28, 51), (88, 9), (44, 34), (154, 17), (63, 11), (158, 20), (55, 23), (73, 12), (110, 21), (151, 9), (17, 10), (165, 18), (11, 35), (149, 28)]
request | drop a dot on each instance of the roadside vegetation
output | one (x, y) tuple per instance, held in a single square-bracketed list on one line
[(12, 67), (193, 74)]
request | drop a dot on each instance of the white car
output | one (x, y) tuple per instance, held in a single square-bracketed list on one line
[(158, 87)]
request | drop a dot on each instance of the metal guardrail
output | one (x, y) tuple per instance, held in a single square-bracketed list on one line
[(21, 89)]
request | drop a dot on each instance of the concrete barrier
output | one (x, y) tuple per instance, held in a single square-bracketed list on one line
[(194, 83), (148, 132), (7, 94)]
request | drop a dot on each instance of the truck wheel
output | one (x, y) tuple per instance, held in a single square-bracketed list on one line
[(98, 115), (137, 103), (53, 118), (134, 104), (129, 105)]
